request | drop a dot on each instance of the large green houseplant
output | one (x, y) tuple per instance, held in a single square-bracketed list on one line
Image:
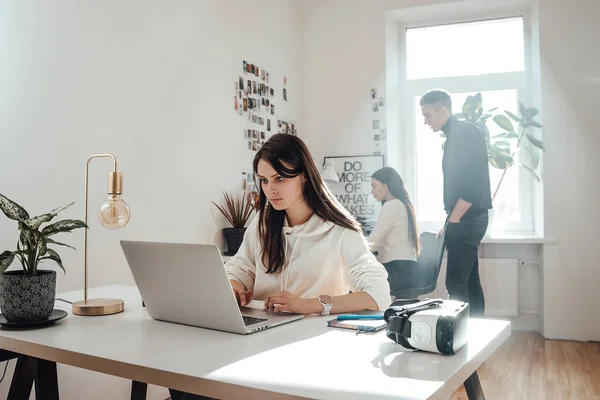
[(500, 152), (28, 294)]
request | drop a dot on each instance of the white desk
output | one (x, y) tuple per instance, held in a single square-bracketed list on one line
[(301, 359)]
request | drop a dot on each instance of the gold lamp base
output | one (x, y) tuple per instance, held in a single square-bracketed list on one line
[(98, 307)]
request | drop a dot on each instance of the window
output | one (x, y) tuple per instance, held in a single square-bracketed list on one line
[(473, 48), (486, 57)]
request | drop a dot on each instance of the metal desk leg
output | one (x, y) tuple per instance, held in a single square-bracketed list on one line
[(138, 390), (473, 387), (22, 380), (46, 380)]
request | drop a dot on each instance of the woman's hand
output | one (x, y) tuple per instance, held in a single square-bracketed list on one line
[(286, 301), (242, 295)]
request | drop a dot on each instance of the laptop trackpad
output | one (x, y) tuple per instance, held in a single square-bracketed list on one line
[(253, 316)]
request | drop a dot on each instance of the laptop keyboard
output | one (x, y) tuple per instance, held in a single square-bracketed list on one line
[(252, 320)]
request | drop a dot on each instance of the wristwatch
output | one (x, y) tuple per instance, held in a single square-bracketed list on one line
[(327, 302)]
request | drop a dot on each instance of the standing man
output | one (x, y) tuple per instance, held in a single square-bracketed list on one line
[(466, 197)]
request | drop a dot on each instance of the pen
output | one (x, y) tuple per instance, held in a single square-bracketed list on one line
[(344, 317)]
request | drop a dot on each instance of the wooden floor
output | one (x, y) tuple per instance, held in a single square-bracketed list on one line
[(529, 367)]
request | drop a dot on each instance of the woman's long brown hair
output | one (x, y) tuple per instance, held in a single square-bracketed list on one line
[(395, 185), (290, 157)]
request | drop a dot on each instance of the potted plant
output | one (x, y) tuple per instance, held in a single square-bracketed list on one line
[(27, 295), (237, 211), (500, 153)]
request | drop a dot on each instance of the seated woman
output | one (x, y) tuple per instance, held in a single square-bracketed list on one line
[(395, 233), (303, 252)]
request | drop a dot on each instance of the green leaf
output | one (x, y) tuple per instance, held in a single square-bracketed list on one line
[(43, 246), (531, 112), (6, 259), (531, 171), (502, 143), (29, 237), (513, 116), (52, 241), (478, 101), (467, 108), (12, 210), (478, 114), (501, 161), (534, 123), (522, 109), (460, 115), (54, 257), (492, 109), (504, 123), (36, 222), (61, 208), (506, 135), (535, 141), (66, 225), (471, 106)]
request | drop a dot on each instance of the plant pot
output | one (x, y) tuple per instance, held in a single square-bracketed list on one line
[(233, 238), (27, 298)]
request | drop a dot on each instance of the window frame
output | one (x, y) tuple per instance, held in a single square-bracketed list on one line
[(409, 89)]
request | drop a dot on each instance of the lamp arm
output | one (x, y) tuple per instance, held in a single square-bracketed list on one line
[(85, 234)]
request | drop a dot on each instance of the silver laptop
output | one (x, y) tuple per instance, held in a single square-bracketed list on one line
[(188, 284)]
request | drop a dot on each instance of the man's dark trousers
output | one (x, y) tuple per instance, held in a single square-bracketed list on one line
[(462, 273)]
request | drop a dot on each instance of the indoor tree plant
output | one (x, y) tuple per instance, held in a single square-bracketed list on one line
[(237, 210), (28, 295), (500, 153)]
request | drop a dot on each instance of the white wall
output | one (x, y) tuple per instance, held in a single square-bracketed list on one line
[(344, 52), (570, 68), (151, 82)]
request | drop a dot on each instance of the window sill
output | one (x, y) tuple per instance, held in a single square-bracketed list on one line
[(501, 238)]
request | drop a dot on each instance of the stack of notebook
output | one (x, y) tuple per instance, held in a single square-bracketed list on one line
[(359, 322)]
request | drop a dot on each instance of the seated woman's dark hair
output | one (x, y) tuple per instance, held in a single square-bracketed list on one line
[(290, 157), (395, 185)]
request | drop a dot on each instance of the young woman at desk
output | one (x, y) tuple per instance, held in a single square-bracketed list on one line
[(303, 252), (395, 233)]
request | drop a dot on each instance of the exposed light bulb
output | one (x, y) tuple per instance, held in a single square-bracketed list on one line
[(114, 212)]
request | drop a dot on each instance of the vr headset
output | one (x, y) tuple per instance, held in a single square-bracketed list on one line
[(432, 325)]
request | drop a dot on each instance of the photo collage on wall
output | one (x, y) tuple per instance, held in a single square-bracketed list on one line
[(255, 97), (378, 127), (248, 183)]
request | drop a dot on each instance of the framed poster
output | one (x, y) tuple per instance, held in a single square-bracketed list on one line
[(354, 188)]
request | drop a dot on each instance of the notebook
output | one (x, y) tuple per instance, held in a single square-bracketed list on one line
[(362, 325)]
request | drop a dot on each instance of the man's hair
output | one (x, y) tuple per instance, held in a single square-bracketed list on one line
[(438, 97)]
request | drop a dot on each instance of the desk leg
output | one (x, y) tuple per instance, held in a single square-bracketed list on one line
[(46, 381), (22, 381), (178, 395), (138, 390), (7, 355), (473, 387)]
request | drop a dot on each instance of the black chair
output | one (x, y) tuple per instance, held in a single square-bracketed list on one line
[(428, 267)]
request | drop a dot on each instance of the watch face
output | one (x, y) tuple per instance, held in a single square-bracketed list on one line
[(326, 299)]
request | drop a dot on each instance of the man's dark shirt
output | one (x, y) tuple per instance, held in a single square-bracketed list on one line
[(465, 167)]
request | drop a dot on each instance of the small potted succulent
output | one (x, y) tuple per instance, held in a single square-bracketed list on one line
[(27, 295), (237, 211)]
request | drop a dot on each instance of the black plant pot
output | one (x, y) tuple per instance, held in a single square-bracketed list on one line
[(27, 298), (233, 238)]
